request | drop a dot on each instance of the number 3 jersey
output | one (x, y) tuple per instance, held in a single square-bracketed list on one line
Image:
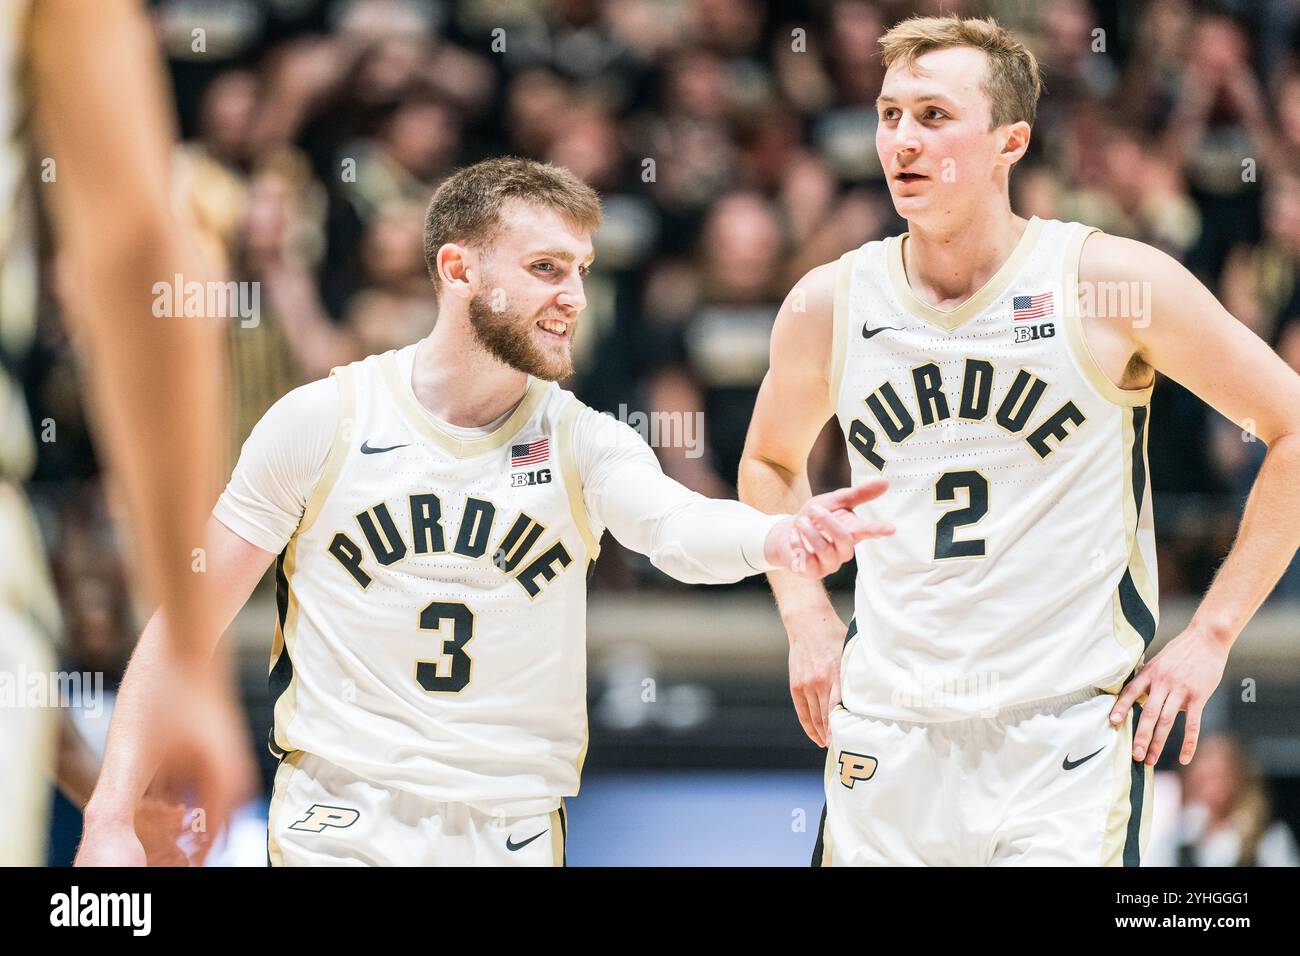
[(431, 580), (1023, 566)]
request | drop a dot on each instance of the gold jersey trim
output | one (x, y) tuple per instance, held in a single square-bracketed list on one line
[(828, 780), (1145, 603), (977, 303), (419, 417), (839, 324), (559, 836), (1124, 840), (338, 452), (1083, 356), (274, 854), (285, 705)]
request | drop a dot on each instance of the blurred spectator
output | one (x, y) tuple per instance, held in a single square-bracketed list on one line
[(290, 339), (89, 571), (1226, 818), (394, 308), (719, 353), (1209, 134), (415, 145)]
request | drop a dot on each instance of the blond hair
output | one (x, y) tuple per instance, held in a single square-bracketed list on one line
[(466, 208), (1013, 82)]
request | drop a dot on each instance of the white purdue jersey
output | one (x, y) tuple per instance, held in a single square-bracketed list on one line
[(431, 587), (464, 609), (1023, 566)]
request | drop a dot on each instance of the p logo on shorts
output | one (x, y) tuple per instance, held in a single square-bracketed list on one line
[(319, 817), (855, 767)]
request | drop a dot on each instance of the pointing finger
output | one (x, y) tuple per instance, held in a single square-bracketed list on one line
[(850, 498)]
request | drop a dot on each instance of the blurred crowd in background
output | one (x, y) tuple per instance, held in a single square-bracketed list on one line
[(733, 143)]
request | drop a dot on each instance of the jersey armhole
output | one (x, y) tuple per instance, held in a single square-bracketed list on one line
[(338, 453), (1083, 357), (839, 327), (565, 431)]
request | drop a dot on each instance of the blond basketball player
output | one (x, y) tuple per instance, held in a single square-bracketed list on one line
[(978, 711), (81, 95), (436, 510)]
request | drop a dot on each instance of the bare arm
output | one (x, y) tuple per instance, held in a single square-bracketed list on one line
[(1195, 341), (131, 755), (318, 344), (703, 540), (157, 381), (793, 405)]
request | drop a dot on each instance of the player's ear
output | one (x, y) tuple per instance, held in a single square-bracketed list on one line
[(1015, 140), (454, 264)]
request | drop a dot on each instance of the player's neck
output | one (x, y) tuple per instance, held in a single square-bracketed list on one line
[(948, 262), (460, 383)]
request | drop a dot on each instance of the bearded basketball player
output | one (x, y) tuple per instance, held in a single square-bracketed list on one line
[(435, 510), (983, 708)]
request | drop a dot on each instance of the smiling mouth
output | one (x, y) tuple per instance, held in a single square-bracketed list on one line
[(554, 328)]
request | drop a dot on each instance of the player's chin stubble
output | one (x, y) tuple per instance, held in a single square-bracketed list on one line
[(508, 337)]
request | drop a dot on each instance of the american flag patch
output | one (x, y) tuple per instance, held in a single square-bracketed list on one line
[(530, 454), (1031, 306)]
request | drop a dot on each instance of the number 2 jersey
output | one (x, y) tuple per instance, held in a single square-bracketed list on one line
[(1023, 566), (431, 580)]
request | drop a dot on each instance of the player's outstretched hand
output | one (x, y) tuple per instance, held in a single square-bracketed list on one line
[(1181, 677), (819, 538)]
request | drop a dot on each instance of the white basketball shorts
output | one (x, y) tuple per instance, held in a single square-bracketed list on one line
[(1050, 783), (322, 815)]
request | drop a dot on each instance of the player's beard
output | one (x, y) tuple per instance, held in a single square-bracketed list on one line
[(507, 336)]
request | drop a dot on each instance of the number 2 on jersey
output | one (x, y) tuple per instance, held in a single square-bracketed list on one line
[(437, 676), (977, 505)]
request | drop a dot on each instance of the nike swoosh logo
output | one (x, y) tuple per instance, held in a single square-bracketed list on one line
[(519, 846), (367, 450), (1068, 764), (868, 333)]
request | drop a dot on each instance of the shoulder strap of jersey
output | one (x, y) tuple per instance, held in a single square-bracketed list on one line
[(1073, 319), (344, 377), (839, 325)]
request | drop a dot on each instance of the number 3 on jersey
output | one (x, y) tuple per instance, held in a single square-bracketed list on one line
[(449, 673), (977, 505)]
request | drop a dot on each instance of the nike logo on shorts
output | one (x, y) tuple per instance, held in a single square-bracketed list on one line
[(512, 846), (1068, 764)]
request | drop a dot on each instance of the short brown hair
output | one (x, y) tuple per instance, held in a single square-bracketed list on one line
[(1013, 83), (466, 208)]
